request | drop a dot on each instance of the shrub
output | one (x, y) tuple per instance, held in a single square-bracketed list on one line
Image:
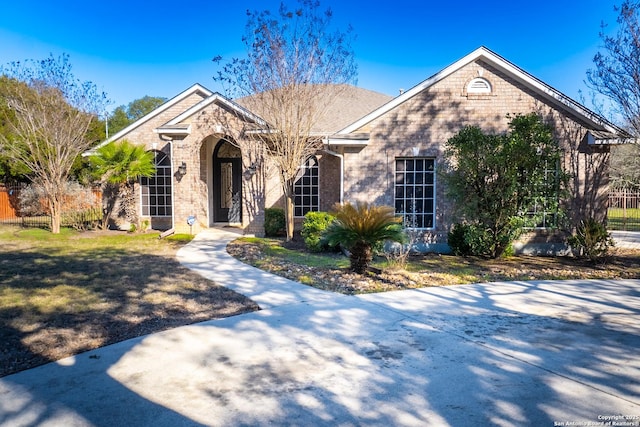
[(457, 240), (32, 201), (80, 208), (495, 180), (470, 239), (362, 227), (592, 240), (397, 254), (314, 224), (274, 222)]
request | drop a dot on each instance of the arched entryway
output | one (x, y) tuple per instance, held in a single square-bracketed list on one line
[(227, 183)]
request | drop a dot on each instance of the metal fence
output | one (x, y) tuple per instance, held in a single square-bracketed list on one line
[(623, 213), (624, 210), (10, 212)]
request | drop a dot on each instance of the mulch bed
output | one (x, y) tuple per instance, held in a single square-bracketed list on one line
[(439, 270)]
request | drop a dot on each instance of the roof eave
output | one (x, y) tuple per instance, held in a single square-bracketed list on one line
[(360, 140), (168, 104), (173, 130), (217, 97), (610, 140)]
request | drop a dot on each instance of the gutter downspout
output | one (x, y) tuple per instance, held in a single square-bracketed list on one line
[(341, 157), (173, 207)]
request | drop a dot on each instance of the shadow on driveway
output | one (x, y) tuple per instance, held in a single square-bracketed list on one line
[(473, 355)]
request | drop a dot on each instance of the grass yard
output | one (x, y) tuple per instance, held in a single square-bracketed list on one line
[(617, 220), (64, 294)]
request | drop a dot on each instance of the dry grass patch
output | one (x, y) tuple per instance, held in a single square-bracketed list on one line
[(62, 295)]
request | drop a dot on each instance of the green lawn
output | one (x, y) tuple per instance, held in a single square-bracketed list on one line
[(618, 221)]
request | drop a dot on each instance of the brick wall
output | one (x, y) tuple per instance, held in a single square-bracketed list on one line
[(425, 122), (193, 191)]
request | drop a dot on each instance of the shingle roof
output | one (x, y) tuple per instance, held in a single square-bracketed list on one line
[(350, 104)]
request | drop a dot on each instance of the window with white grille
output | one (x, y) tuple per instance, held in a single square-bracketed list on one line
[(156, 190), (415, 191), (543, 211), (306, 188)]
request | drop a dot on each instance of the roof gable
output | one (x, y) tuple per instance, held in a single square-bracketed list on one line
[(543, 90), (216, 98), (195, 89)]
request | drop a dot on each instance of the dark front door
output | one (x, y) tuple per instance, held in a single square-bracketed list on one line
[(227, 199)]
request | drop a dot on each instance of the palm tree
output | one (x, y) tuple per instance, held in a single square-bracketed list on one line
[(360, 228), (119, 164)]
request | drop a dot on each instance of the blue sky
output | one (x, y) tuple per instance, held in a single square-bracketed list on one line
[(136, 48)]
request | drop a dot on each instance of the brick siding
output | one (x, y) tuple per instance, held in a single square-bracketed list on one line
[(430, 118), (423, 123)]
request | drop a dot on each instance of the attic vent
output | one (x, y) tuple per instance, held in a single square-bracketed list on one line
[(479, 85)]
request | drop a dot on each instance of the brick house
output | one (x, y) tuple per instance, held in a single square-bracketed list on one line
[(377, 148)]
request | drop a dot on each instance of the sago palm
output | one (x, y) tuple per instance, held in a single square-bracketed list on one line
[(360, 228), (119, 164)]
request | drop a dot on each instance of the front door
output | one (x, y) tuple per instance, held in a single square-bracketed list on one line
[(227, 176)]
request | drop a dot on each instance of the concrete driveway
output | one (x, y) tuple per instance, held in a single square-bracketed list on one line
[(507, 354)]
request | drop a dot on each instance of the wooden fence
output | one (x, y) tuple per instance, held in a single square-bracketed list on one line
[(10, 210), (624, 210), (8, 202)]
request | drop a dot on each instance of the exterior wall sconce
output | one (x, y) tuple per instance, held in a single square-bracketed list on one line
[(415, 151), (182, 169), (251, 170)]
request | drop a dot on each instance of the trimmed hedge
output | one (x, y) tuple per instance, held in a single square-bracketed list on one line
[(313, 227), (274, 222)]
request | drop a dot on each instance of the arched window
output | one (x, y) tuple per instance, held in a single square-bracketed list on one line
[(305, 189), (156, 191), (479, 85)]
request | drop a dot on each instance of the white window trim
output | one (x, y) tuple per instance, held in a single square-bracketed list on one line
[(403, 214), (304, 168), (170, 177), (552, 172)]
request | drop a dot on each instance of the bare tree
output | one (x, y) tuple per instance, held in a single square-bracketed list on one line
[(49, 115), (616, 76), (296, 65), (617, 67)]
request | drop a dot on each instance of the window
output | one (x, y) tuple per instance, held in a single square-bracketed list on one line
[(305, 189), (543, 212), (415, 191), (479, 86), (156, 191)]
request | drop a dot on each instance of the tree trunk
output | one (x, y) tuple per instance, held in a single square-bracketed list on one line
[(287, 188), (128, 208), (55, 210), (288, 216), (360, 258), (110, 194)]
